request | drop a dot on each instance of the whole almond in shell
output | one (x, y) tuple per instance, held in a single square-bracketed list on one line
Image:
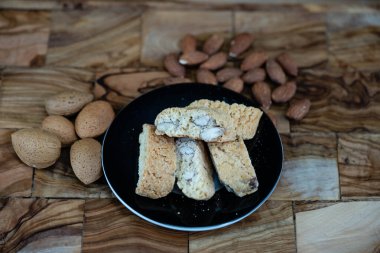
[(262, 93), (215, 61), (254, 75), (240, 43), (61, 127), (94, 119), (288, 64), (174, 80), (234, 84), (285, 92), (67, 102), (206, 76), (298, 109), (254, 60), (213, 44), (85, 158), (173, 67), (188, 43), (193, 58), (275, 72), (227, 73), (36, 147)]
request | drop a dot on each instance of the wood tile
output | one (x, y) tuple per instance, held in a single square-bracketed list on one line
[(23, 37), (101, 38), (40, 225), (310, 170), (354, 40), (339, 104), (269, 229), (359, 165), (162, 30), (342, 227), (15, 176), (349, 6), (110, 227), (59, 181), (300, 33), (23, 91), (29, 5)]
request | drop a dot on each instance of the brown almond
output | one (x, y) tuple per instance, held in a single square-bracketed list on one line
[(193, 58), (61, 127), (254, 60), (254, 75), (262, 93), (227, 73), (173, 67), (288, 64), (206, 76), (213, 44), (36, 147), (188, 44), (275, 72), (67, 102), (86, 160), (298, 109), (174, 80), (94, 119), (215, 61), (240, 43), (234, 84), (284, 93)]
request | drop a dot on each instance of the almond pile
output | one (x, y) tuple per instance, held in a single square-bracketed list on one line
[(41, 147), (271, 80)]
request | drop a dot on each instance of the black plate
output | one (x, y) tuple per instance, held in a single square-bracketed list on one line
[(120, 163)]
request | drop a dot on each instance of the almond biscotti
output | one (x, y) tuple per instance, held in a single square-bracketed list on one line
[(157, 164), (200, 123), (245, 118), (234, 167), (194, 173)]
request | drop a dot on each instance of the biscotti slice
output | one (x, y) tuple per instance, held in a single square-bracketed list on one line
[(234, 167), (197, 123), (157, 164), (194, 173), (245, 118)]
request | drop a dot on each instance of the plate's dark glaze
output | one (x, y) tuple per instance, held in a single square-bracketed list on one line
[(120, 163)]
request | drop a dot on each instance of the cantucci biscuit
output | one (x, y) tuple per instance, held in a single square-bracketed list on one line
[(245, 118), (157, 164), (194, 173)]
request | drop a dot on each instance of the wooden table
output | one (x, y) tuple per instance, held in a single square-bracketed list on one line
[(328, 196)]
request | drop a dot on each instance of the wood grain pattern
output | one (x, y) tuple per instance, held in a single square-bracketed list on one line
[(23, 37), (124, 85), (310, 170), (343, 227), (162, 30), (338, 105), (40, 225), (270, 229), (354, 40), (359, 165), (59, 181), (305, 41), (101, 39), (23, 91), (315, 6), (15, 177), (110, 227)]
